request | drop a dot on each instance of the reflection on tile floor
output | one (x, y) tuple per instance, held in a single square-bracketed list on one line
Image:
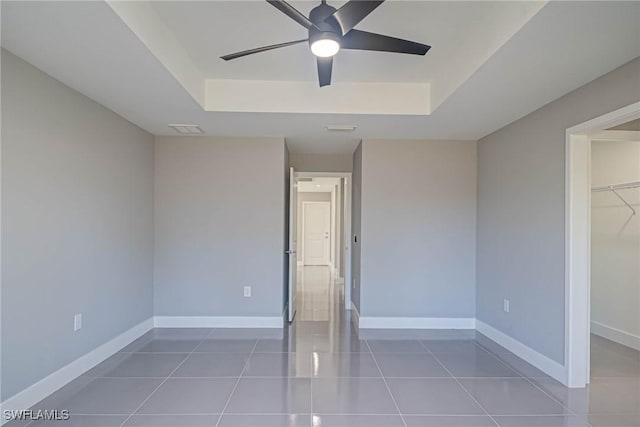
[(321, 372)]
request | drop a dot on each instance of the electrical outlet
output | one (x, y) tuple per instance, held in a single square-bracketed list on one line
[(77, 322), (505, 305), (247, 291)]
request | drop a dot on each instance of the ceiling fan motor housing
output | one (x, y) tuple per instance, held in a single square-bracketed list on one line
[(326, 26)]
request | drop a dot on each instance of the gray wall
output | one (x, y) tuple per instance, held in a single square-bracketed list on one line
[(418, 228), (77, 229), (321, 162), (615, 237), (356, 226), (521, 201), (219, 209)]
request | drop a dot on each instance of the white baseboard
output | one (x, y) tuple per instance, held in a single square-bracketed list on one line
[(616, 335), (416, 323), (218, 322), (43, 388), (355, 316), (540, 361)]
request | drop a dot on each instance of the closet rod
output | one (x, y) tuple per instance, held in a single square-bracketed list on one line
[(614, 188), (623, 186)]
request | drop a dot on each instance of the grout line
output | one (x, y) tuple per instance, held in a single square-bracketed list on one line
[(350, 414), (387, 385), (460, 384), (571, 412), (311, 390), (236, 384), (160, 385)]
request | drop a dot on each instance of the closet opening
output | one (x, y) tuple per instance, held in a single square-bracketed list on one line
[(602, 259)]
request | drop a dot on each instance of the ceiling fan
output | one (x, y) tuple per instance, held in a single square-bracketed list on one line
[(331, 29)]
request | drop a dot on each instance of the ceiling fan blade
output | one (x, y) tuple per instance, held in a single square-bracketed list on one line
[(325, 65), (354, 11), (362, 40), (260, 49), (291, 12)]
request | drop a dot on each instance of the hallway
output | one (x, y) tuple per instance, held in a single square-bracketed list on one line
[(319, 296)]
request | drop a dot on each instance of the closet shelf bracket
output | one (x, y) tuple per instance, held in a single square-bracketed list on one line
[(614, 188), (623, 201)]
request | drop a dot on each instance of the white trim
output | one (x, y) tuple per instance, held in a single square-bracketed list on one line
[(416, 322), (617, 335), (302, 174), (290, 294), (332, 229), (337, 190), (218, 322), (616, 135), (540, 361), (346, 239), (578, 239), (43, 388), (355, 316), (577, 259)]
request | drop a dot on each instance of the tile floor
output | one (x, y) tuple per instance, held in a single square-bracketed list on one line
[(319, 372)]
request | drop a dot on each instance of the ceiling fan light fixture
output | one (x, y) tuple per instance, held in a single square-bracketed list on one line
[(331, 30), (325, 48), (325, 45)]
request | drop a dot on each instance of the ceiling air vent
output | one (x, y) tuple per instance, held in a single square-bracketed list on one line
[(187, 129), (341, 128)]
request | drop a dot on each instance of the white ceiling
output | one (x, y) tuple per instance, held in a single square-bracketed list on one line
[(208, 30), (179, 34), (87, 46)]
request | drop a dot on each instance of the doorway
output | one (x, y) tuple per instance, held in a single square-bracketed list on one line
[(578, 256), (316, 232), (319, 232), (615, 252)]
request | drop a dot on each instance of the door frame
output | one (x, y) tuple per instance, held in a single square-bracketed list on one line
[(578, 241), (306, 203), (346, 239)]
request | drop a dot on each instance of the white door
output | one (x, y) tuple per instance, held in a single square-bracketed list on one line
[(293, 229), (317, 226)]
